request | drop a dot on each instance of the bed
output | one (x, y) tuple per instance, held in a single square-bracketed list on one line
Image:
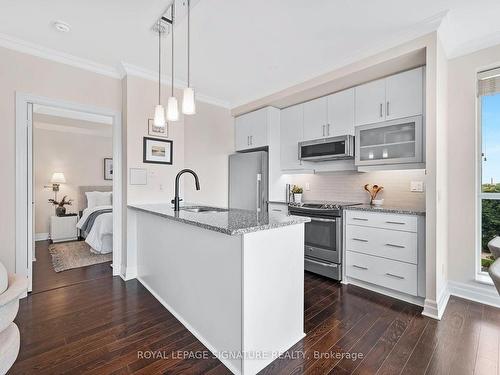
[(96, 221)]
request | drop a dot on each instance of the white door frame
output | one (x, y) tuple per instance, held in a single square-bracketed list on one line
[(24, 190)]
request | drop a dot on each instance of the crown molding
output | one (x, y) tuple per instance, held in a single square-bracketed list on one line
[(473, 45), (150, 75), (29, 48)]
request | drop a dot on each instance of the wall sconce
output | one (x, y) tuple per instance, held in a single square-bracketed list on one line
[(57, 179)]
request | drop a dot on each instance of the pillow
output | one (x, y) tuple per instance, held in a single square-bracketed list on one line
[(98, 198), (4, 280)]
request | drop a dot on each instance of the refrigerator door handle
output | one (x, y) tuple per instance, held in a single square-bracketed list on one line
[(259, 198)]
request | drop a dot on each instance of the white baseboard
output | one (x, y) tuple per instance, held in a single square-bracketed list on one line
[(129, 274), (41, 236), (435, 309), (190, 328), (486, 294)]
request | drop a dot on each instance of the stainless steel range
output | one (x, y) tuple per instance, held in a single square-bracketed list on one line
[(323, 236)]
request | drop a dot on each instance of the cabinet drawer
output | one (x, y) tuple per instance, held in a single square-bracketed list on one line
[(382, 220), (278, 207), (387, 243), (384, 272)]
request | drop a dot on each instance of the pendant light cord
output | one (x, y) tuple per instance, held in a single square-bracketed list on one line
[(188, 41), (173, 5), (159, 62)]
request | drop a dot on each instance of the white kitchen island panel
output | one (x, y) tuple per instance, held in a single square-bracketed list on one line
[(241, 295)]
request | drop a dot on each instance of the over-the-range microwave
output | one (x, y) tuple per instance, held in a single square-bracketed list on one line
[(333, 148)]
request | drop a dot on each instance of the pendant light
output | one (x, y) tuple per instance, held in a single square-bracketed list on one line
[(172, 107), (188, 101), (159, 118)]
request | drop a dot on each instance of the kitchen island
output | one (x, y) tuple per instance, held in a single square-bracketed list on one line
[(233, 278)]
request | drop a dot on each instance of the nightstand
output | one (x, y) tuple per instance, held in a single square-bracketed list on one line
[(63, 228)]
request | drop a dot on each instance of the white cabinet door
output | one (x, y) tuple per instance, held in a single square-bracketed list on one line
[(341, 113), (241, 133), (370, 102), (291, 132), (258, 128), (316, 119), (251, 130), (404, 94)]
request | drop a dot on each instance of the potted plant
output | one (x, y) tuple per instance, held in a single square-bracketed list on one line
[(297, 193), (60, 209)]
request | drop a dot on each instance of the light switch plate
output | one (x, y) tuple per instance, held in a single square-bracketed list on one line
[(417, 186), (308, 187)]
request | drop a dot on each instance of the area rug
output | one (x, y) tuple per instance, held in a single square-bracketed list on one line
[(69, 255)]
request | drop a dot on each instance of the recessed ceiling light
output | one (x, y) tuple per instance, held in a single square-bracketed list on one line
[(62, 26)]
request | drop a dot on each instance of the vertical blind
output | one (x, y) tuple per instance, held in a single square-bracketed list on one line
[(488, 82)]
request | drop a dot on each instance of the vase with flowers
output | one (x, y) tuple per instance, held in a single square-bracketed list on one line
[(373, 191), (60, 209)]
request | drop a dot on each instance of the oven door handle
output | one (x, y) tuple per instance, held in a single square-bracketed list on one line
[(323, 220), (333, 265)]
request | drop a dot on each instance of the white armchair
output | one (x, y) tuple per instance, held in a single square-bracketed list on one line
[(9, 305)]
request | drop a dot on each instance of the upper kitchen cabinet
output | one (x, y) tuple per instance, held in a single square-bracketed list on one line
[(341, 113), (390, 98), (404, 94), (370, 102), (291, 130), (316, 119), (251, 129)]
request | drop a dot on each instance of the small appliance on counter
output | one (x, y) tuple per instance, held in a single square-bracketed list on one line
[(323, 236)]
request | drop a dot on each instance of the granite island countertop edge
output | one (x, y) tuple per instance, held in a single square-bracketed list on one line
[(231, 232)]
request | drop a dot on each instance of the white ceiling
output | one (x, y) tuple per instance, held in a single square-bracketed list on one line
[(241, 49)]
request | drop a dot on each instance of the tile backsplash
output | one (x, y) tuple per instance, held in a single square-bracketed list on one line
[(348, 186)]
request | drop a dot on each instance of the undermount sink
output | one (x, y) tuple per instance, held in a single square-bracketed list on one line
[(203, 209)]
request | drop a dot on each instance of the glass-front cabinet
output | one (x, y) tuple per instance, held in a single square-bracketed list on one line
[(391, 142)]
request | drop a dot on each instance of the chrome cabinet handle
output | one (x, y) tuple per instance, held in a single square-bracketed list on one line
[(248, 140), (360, 267), (381, 110), (392, 245), (387, 109), (395, 222), (359, 218), (395, 276), (251, 140), (360, 240), (328, 129), (323, 130)]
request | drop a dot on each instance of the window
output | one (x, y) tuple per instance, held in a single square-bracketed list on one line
[(489, 192)]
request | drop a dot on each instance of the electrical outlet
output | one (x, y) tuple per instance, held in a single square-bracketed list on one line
[(417, 186), (308, 187)]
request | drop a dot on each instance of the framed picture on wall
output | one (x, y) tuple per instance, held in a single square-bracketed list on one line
[(157, 151), (108, 168), (157, 131)]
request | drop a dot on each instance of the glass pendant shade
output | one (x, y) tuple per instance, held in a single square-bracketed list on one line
[(172, 109), (188, 102), (159, 119)]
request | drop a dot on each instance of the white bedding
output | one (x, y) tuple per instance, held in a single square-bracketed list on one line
[(100, 236)]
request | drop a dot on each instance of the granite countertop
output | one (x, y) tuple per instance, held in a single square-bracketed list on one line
[(231, 222), (388, 209)]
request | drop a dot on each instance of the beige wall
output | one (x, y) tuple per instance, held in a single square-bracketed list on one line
[(348, 186), (58, 151), (209, 139), (462, 156), (141, 95), (29, 74)]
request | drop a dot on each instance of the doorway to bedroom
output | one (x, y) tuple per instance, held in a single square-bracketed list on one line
[(72, 191), (69, 195)]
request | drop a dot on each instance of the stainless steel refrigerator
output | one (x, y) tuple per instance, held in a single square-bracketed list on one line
[(248, 181)]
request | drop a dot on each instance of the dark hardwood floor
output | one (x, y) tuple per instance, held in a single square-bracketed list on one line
[(101, 326), (45, 278)]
